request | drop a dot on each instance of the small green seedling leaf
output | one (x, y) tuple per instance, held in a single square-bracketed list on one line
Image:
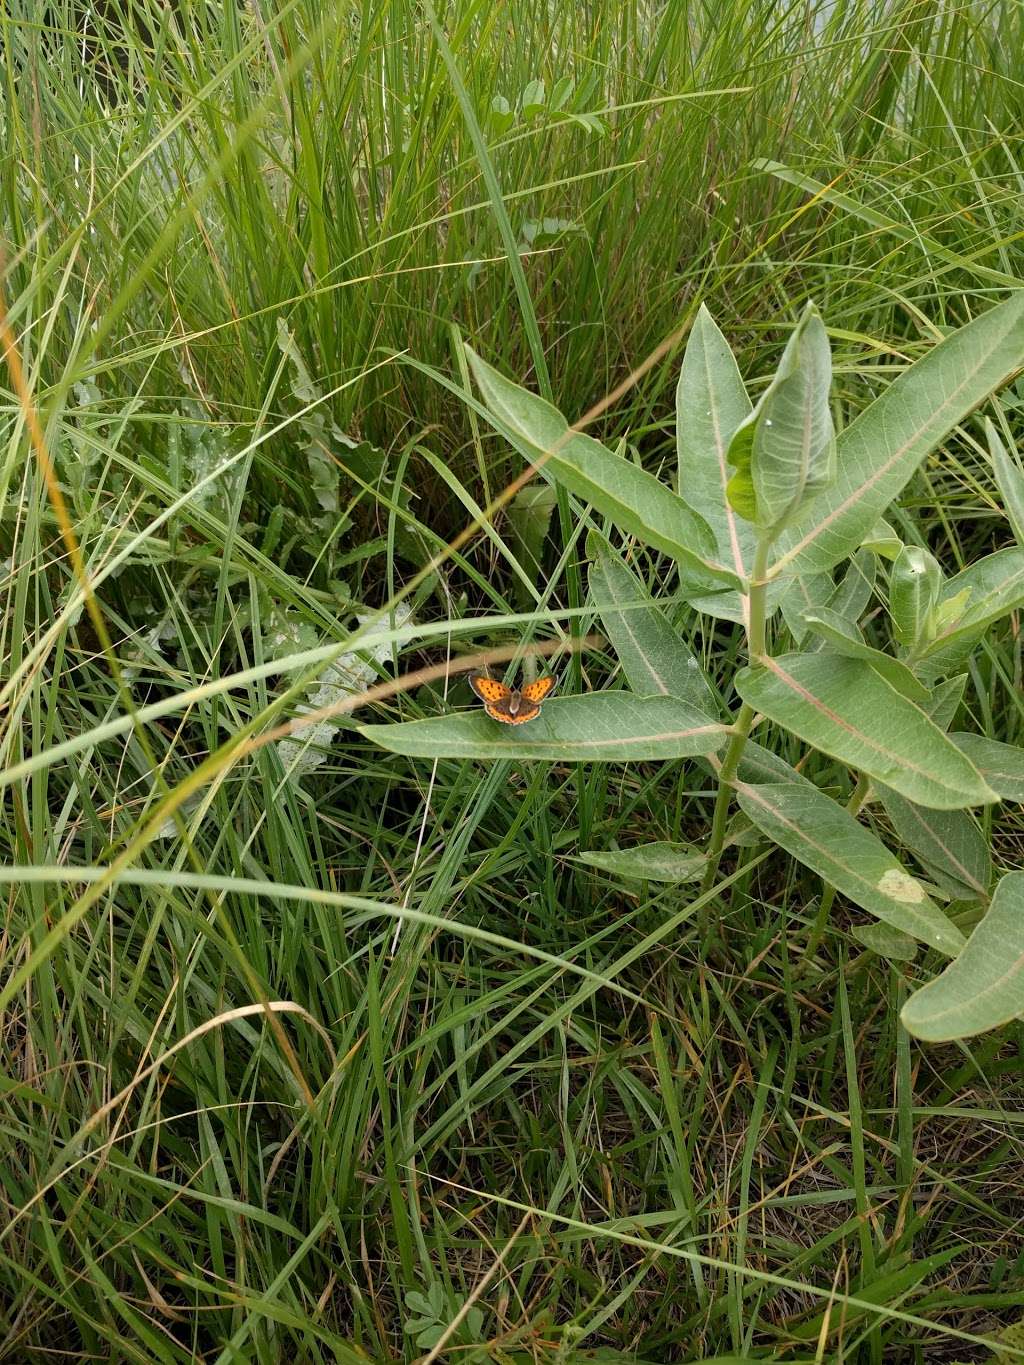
[(784, 451), (533, 100), (945, 701), (914, 585), (501, 115), (803, 595), (657, 862), (529, 516), (984, 986), (844, 708), (981, 594), (606, 727), (854, 592)]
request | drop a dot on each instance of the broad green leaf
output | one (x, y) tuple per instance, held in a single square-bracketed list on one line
[(825, 837), (784, 452), (846, 639), (654, 659), (886, 941), (633, 499), (1001, 765), (711, 402), (988, 589), (854, 592), (984, 986), (611, 727), (658, 862), (1009, 478), (844, 708), (883, 446), (914, 586), (803, 595), (948, 844)]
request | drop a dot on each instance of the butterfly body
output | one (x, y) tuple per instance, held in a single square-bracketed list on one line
[(511, 705)]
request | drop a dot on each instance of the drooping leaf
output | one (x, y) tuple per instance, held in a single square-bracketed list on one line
[(601, 726), (657, 862), (1001, 765), (803, 595), (948, 844), (654, 659), (914, 586), (883, 540), (529, 516), (1010, 480), (945, 700), (784, 451), (843, 707), (711, 402), (633, 499), (826, 838), (883, 446), (845, 639), (758, 764), (853, 593), (983, 986)]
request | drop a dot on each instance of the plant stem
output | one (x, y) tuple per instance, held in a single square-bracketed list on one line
[(756, 621)]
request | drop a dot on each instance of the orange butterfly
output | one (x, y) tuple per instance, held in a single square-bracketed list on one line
[(511, 705)]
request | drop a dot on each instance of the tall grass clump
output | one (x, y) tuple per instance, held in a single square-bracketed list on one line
[(402, 1034)]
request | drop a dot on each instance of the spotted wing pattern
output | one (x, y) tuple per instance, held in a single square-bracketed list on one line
[(507, 704), (500, 711), (490, 689), (537, 691)]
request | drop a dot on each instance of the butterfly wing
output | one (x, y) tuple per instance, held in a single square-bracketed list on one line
[(535, 692), (489, 690), (500, 711)]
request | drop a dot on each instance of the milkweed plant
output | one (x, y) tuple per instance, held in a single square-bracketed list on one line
[(777, 522)]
